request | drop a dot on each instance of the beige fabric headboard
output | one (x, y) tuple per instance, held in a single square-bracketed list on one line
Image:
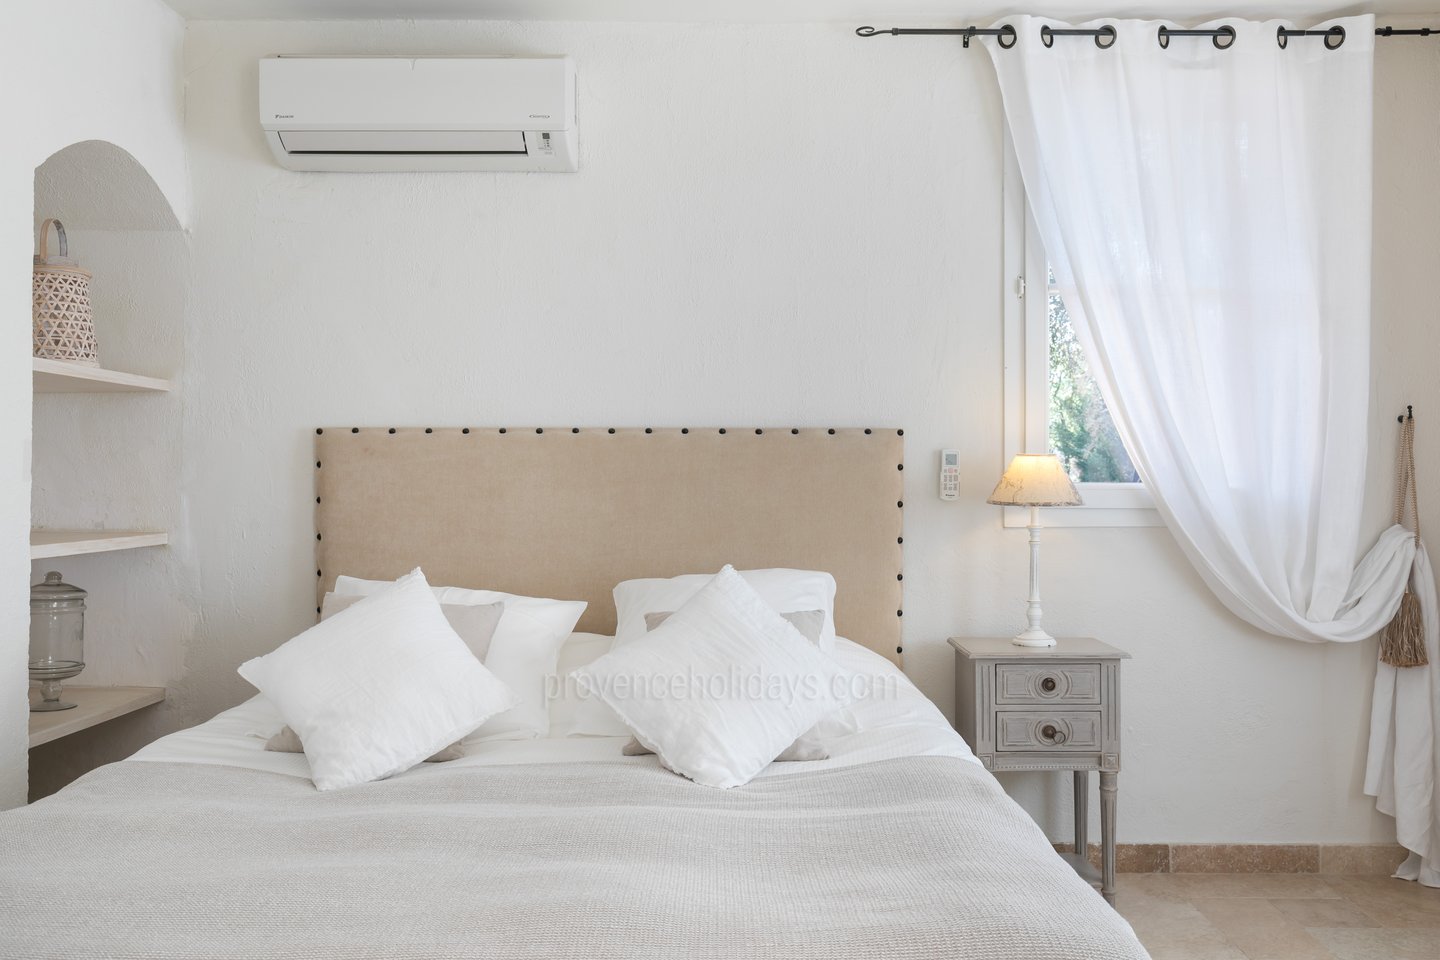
[(569, 513)]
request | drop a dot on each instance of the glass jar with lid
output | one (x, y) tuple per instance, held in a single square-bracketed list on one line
[(57, 638)]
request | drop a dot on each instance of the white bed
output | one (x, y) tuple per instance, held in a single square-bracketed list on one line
[(204, 845), (900, 845)]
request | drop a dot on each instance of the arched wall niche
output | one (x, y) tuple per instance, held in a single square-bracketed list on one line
[(96, 185), (114, 461)]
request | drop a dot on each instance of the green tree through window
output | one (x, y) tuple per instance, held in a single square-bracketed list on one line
[(1080, 428)]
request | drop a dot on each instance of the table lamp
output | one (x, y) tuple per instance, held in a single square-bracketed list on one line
[(1034, 480)]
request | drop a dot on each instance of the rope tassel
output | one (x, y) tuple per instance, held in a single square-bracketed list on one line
[(1402, 644)]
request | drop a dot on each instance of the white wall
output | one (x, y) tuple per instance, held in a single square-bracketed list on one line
[(773, 225), (73, 70)]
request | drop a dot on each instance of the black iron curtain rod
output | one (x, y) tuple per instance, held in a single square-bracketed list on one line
[(1105, 36)]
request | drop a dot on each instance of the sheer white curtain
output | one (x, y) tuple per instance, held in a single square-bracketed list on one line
[(1206, 213)]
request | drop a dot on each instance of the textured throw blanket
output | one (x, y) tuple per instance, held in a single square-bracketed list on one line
[(921, 857)]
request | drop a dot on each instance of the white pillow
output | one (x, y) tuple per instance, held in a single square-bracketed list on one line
[(721, 687), (571, 712), (522, 652), (378, 687), (786, 591)]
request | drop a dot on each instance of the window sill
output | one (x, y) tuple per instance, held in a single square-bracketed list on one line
[(1106, 505)]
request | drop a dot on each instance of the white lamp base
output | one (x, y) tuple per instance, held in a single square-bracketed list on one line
[(1034, 637)]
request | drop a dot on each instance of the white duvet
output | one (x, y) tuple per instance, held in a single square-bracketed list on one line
[(893, 720)]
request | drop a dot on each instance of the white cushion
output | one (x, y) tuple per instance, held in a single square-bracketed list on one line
[(785, 591), (720, 688), (837, 724), (522, 652), (378, 687), (571, 712)]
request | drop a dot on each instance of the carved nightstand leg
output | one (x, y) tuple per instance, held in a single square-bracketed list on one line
[(1082, 812), (1108, 791)]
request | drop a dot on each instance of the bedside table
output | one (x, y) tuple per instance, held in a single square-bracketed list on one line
[(1048, 708)]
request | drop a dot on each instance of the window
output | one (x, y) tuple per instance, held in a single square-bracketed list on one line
[(1051, 401), (1079, 429)]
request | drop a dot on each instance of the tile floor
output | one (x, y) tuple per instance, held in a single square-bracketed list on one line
[(1272, 916)]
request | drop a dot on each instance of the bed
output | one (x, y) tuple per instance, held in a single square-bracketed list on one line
[(899, 845)]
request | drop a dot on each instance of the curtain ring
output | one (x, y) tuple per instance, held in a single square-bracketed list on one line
[(1337, 34), (1280, 38), (1163, 37), (1106, 31), (1228, 32), (1047, 36), (1007, 32)]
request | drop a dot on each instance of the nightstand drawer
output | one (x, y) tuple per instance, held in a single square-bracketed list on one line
[(1062, 730), (1040, 683)]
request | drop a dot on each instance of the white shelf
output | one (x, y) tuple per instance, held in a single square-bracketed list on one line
[(92, 705), (57, 376), (45, 544)]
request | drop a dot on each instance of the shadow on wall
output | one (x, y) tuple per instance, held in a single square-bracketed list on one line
[(95, 185)]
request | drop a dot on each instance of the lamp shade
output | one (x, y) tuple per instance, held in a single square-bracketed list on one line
[(1035, 480)]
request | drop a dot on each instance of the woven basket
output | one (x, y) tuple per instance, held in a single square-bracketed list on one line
[(64, 325)]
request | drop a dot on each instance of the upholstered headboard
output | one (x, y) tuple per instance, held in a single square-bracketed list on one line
[(570, 512)]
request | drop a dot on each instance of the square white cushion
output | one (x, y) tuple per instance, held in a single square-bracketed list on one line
[(785, 591), (808, 746), (721, 687), (378, 687), (523, 651), (569, 708)]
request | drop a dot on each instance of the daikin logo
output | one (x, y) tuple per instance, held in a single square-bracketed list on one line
[(284, 116)]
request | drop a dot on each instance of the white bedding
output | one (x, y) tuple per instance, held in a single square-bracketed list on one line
[(894, 720), (551, 854)]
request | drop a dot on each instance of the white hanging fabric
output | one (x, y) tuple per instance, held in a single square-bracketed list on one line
[(1207, 217), (1404, 747)]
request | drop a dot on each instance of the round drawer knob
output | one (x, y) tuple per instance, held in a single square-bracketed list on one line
[(1048, 684), (1053, 734)]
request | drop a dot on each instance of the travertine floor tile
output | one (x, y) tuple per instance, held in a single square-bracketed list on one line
[(1360, 943), (1280, 917), (1150, 886), (1324, 913), (1260, 930), (1361, 859), (1392, 903), (1267, 886), (1221, 951), (1189, 932)]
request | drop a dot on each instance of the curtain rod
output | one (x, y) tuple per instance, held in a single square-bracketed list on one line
[(1105, 36)]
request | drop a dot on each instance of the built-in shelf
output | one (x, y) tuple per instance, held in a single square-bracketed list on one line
[(57, 376), (45, 544), (92, 705)]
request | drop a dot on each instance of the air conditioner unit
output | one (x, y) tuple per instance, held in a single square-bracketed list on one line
[(420, 113)]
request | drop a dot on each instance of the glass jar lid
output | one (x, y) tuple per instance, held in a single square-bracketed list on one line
[(54, 588)]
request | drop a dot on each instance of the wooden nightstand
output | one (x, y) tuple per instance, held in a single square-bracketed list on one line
[(1048, 708)]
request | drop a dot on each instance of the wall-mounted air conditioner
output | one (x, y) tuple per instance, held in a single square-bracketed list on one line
[(420, 113)]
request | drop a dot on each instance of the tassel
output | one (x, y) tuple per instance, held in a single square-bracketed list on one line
[(1403, 642)]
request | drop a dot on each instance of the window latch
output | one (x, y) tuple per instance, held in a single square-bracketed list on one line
[(1020, 287)]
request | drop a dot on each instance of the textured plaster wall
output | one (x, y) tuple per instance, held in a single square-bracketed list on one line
[(773, 225), (71, 71)]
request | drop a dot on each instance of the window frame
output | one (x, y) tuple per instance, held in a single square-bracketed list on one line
[(1027, 373)]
